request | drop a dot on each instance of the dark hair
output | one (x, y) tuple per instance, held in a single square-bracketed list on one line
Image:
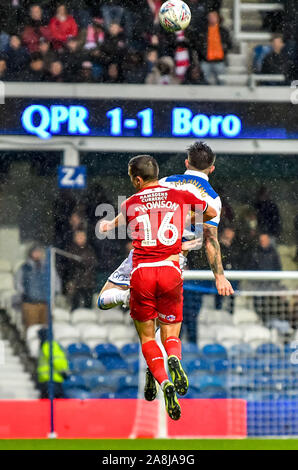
[(144, 166), (200, 156)]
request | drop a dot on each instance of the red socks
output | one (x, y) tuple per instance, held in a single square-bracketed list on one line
[(172, 346), (155, 361)]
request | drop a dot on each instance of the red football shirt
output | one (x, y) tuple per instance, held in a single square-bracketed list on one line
[(156, 218)]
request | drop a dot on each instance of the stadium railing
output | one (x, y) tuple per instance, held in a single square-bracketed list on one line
[(239, 8)]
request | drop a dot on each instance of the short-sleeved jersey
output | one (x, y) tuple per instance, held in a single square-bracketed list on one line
[(156, 218), (200, 181)]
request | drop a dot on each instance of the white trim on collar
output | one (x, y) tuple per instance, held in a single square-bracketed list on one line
[(197, 173)]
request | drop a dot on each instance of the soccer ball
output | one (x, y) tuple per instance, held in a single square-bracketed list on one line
[(174, 15)]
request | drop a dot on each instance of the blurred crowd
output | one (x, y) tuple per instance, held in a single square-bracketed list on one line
[(110, 41)]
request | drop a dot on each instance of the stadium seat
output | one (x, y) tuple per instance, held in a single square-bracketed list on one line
[(230, 334), (214, 351), (198, 366), (241, 350), (94, 334), (78, 393), (102, 382), (245, 316), (78, 350), (219, 317), (86, 365), (128, 392), (219, 366), (269, 349), (134, 366), (130, 350), (111, 316), (237, 383), (128, 381), (213, 393), (66, 334), (83, 315), (256, 335), (60, 315), (74, 381), (121, 334), (115, 365), (101, 351), (190, 351), (107, 395)]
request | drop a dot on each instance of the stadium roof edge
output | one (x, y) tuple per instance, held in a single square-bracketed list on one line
[(148, 92)]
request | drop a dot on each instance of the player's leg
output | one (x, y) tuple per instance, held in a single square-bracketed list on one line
[(172, 344), (155, 361), (116, 289), (170, 308), (112, 295)]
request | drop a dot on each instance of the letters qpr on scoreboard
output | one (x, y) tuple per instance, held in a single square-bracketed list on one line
[(72, 177)]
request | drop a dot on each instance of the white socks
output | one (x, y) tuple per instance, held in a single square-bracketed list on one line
[(112, 297)]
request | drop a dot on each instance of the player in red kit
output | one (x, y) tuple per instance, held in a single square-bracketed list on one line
[(156, 216)]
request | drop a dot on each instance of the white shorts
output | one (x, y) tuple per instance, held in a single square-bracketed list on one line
[(121, 276)]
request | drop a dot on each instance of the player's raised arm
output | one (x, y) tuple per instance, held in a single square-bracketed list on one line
[(213, 253), (108, 225)]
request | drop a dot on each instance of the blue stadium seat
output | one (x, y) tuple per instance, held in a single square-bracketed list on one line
[(78, 393), (128, 381), (128, 392), (196, 367), (190, 351), (78, 350), (214, 351), (212, 392), (107, 395), (74, 381), (241, 350), (86, 365), (102, 383), (268, 349), (101, 351), (219, 366), (202, 382), (116, 364), (131, 349), (134, 366), (238, 383)]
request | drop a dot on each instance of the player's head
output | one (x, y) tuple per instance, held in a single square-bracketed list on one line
[(143, 169), (200, 157)]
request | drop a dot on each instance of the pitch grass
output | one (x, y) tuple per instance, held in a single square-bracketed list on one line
[(148, 444)]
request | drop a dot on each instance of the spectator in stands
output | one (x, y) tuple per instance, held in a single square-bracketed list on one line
[(276, 61), (4, 41), (151, 59), (134, 68), (56, 72), (31, 285), (162, 73), (46, 52), (3, 68), (72, 58), (12, 15), (62, 27), (112, 12), (79, 10), (60, 366), (114, 46), (265, 256), (194, 76), (81, 274), (212, 47), (113, 74), (35, 29), (268, 216), (95, 34), (85, 74), (36, 71), (17, 58)]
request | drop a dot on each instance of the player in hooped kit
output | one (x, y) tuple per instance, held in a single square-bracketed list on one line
[(156, 217)]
